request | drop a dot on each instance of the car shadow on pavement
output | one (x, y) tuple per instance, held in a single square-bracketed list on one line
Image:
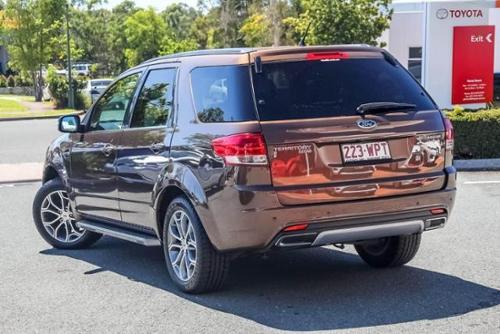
[(313, 289)]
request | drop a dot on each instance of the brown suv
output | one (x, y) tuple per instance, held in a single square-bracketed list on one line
[(218, 153)]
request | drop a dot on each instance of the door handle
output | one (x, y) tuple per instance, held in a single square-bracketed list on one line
[(108, 149), (157, 148)]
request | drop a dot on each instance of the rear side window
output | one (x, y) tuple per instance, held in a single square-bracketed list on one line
[(156, 99), (223, 94), (313, 89)]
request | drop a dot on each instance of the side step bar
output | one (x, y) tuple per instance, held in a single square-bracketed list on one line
[(120, 233)]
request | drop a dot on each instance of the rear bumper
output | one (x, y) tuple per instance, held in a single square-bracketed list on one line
[(257, 221), (358, 231)]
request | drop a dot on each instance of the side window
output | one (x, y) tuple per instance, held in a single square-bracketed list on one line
[(156, 99), (223, 94), (109, 112)]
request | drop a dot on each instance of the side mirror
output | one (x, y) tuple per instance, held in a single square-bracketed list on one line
[(70, 124)]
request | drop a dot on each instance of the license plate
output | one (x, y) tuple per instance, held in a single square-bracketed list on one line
[(366, 151)]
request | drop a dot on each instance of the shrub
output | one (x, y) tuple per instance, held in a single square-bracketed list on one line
[(11, 81), (24, 81), (3, 81), (477, 133), (58, 87)]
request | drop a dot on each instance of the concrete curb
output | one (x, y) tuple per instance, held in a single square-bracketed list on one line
[(475, 165), (38, 117), (22, 172)]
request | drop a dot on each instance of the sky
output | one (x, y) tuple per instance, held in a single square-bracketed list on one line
[(158, 4)]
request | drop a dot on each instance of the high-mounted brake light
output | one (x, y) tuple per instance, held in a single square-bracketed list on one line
[(449, 134), (327, 56), (241, 149)]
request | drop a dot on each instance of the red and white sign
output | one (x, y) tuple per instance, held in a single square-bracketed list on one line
[(473, 59)]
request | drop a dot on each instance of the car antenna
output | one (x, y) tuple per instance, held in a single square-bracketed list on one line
[(302, 41)]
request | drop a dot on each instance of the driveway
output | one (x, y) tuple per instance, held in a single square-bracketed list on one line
[(452, 286)]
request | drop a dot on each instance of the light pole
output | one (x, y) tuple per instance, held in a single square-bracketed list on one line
[(71, 101)]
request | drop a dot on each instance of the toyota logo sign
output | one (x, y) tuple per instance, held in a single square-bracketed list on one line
[(442, 13)]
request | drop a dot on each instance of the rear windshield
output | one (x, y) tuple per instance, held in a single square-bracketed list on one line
[(312, 89), (223, 94)]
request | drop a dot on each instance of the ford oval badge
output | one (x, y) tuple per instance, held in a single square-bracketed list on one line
[(366, 123)]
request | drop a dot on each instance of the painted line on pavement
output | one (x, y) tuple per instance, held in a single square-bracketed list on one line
[(482, 182)]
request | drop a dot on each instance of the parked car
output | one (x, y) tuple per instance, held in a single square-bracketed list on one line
[(220, 153), (82, 69), (95, 87), (78, 69)]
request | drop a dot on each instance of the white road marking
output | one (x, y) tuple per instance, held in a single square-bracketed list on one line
[(482, 182)]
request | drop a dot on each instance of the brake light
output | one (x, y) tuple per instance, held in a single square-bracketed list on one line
[(449, 134), (241, 149), (327, 56)]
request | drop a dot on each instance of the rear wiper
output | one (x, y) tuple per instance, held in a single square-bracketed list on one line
[(380, 107)]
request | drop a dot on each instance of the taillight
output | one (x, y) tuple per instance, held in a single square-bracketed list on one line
[(327, 56), (449, 134), (241, 149)]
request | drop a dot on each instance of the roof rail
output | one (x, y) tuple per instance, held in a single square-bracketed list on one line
[(206, 52)]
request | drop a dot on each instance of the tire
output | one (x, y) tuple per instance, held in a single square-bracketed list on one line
[(205, 269), (56, 209), (389, 252)]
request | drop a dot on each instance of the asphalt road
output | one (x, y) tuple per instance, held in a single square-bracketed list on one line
[(452, 286), (26, 141)]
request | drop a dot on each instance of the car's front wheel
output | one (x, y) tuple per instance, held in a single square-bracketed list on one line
[(389, 252), (55, 221), (193, 263)]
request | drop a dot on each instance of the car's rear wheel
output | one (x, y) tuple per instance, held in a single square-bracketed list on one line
[(389, 252), (193, 263), (55, 221)]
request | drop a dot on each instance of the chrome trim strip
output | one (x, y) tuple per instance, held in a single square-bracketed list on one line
[(280, 242), (116, 232), (368, 232)]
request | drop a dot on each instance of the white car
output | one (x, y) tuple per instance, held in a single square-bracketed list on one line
[(95, 87), (82, 69)]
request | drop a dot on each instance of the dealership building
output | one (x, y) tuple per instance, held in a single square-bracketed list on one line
[(449, 46)]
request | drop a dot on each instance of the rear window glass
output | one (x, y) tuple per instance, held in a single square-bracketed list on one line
[(223, 94), (313, 89)]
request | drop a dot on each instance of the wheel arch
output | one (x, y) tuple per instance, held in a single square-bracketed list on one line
[(50, 173), (179, 180)]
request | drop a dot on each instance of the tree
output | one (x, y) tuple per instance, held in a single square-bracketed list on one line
[(265, 25), (145, 31), (31, 28), (342, 21), (179, 18), (117, 39)]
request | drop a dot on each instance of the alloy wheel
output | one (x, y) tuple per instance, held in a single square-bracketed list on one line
[(58, 219), (181, 243)]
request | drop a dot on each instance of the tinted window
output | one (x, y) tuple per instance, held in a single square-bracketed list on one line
[(311, 89), (109, 111), (155, 100), (223, 94)]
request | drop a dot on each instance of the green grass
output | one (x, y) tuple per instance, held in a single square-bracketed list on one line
[(11, 107), (8, 105), (34, 114)]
